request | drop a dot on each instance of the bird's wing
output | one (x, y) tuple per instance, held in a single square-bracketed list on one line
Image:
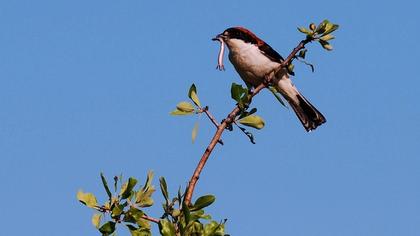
[(270, 52)]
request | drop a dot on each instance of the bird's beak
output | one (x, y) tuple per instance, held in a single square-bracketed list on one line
[(218, 37)]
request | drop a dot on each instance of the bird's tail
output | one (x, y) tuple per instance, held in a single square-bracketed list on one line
[(308, 115)]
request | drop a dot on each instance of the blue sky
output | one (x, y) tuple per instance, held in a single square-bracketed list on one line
[(86, 86)]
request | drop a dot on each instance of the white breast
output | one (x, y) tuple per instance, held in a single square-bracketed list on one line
[(248, 60)]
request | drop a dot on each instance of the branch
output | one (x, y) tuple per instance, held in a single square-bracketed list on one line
[(210, 116), (151, 219), (231, 118), (212, 119)]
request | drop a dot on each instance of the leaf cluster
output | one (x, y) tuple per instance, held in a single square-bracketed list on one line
[(123, 206), (247, 116), (238, 93), (126, 205), (188, 108), (180, 219), (321, 33)]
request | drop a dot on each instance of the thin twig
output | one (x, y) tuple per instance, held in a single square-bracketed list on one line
[(210, 116), (212, 119), (231, 118), (151, 219), (146, 217)]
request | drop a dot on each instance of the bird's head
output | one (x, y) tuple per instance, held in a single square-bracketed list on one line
[(230, 35)]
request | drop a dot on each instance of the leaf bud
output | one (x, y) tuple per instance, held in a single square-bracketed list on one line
[(312, 26)]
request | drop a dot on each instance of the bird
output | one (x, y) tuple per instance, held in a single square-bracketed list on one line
[(254, 59)]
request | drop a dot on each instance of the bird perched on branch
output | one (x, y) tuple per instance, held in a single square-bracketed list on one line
[(254, 59)]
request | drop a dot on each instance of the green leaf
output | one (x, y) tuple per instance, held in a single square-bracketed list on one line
[(290, 69), (277, 95), (199, 214), (247, 113), (185, 107), (164, 189), (117, 210), (144, 199), (166, 228), (176, 212), (329, 28), (304, 30), (328, 47), (327, 37), (143, 196), (252, 111), (143, 223), (108, 192), (325, 45), (235, 91), (192, 94), (214, 229), (321, 27), (194, 228), (203, 202), (139, 231), (186, 212), (107, 228), (177, 112), (134, 215), (127, 188), (194, 132), (96, 220), (87, 198), (302, 53), (149, 179), (253, 121), (238, 92)]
